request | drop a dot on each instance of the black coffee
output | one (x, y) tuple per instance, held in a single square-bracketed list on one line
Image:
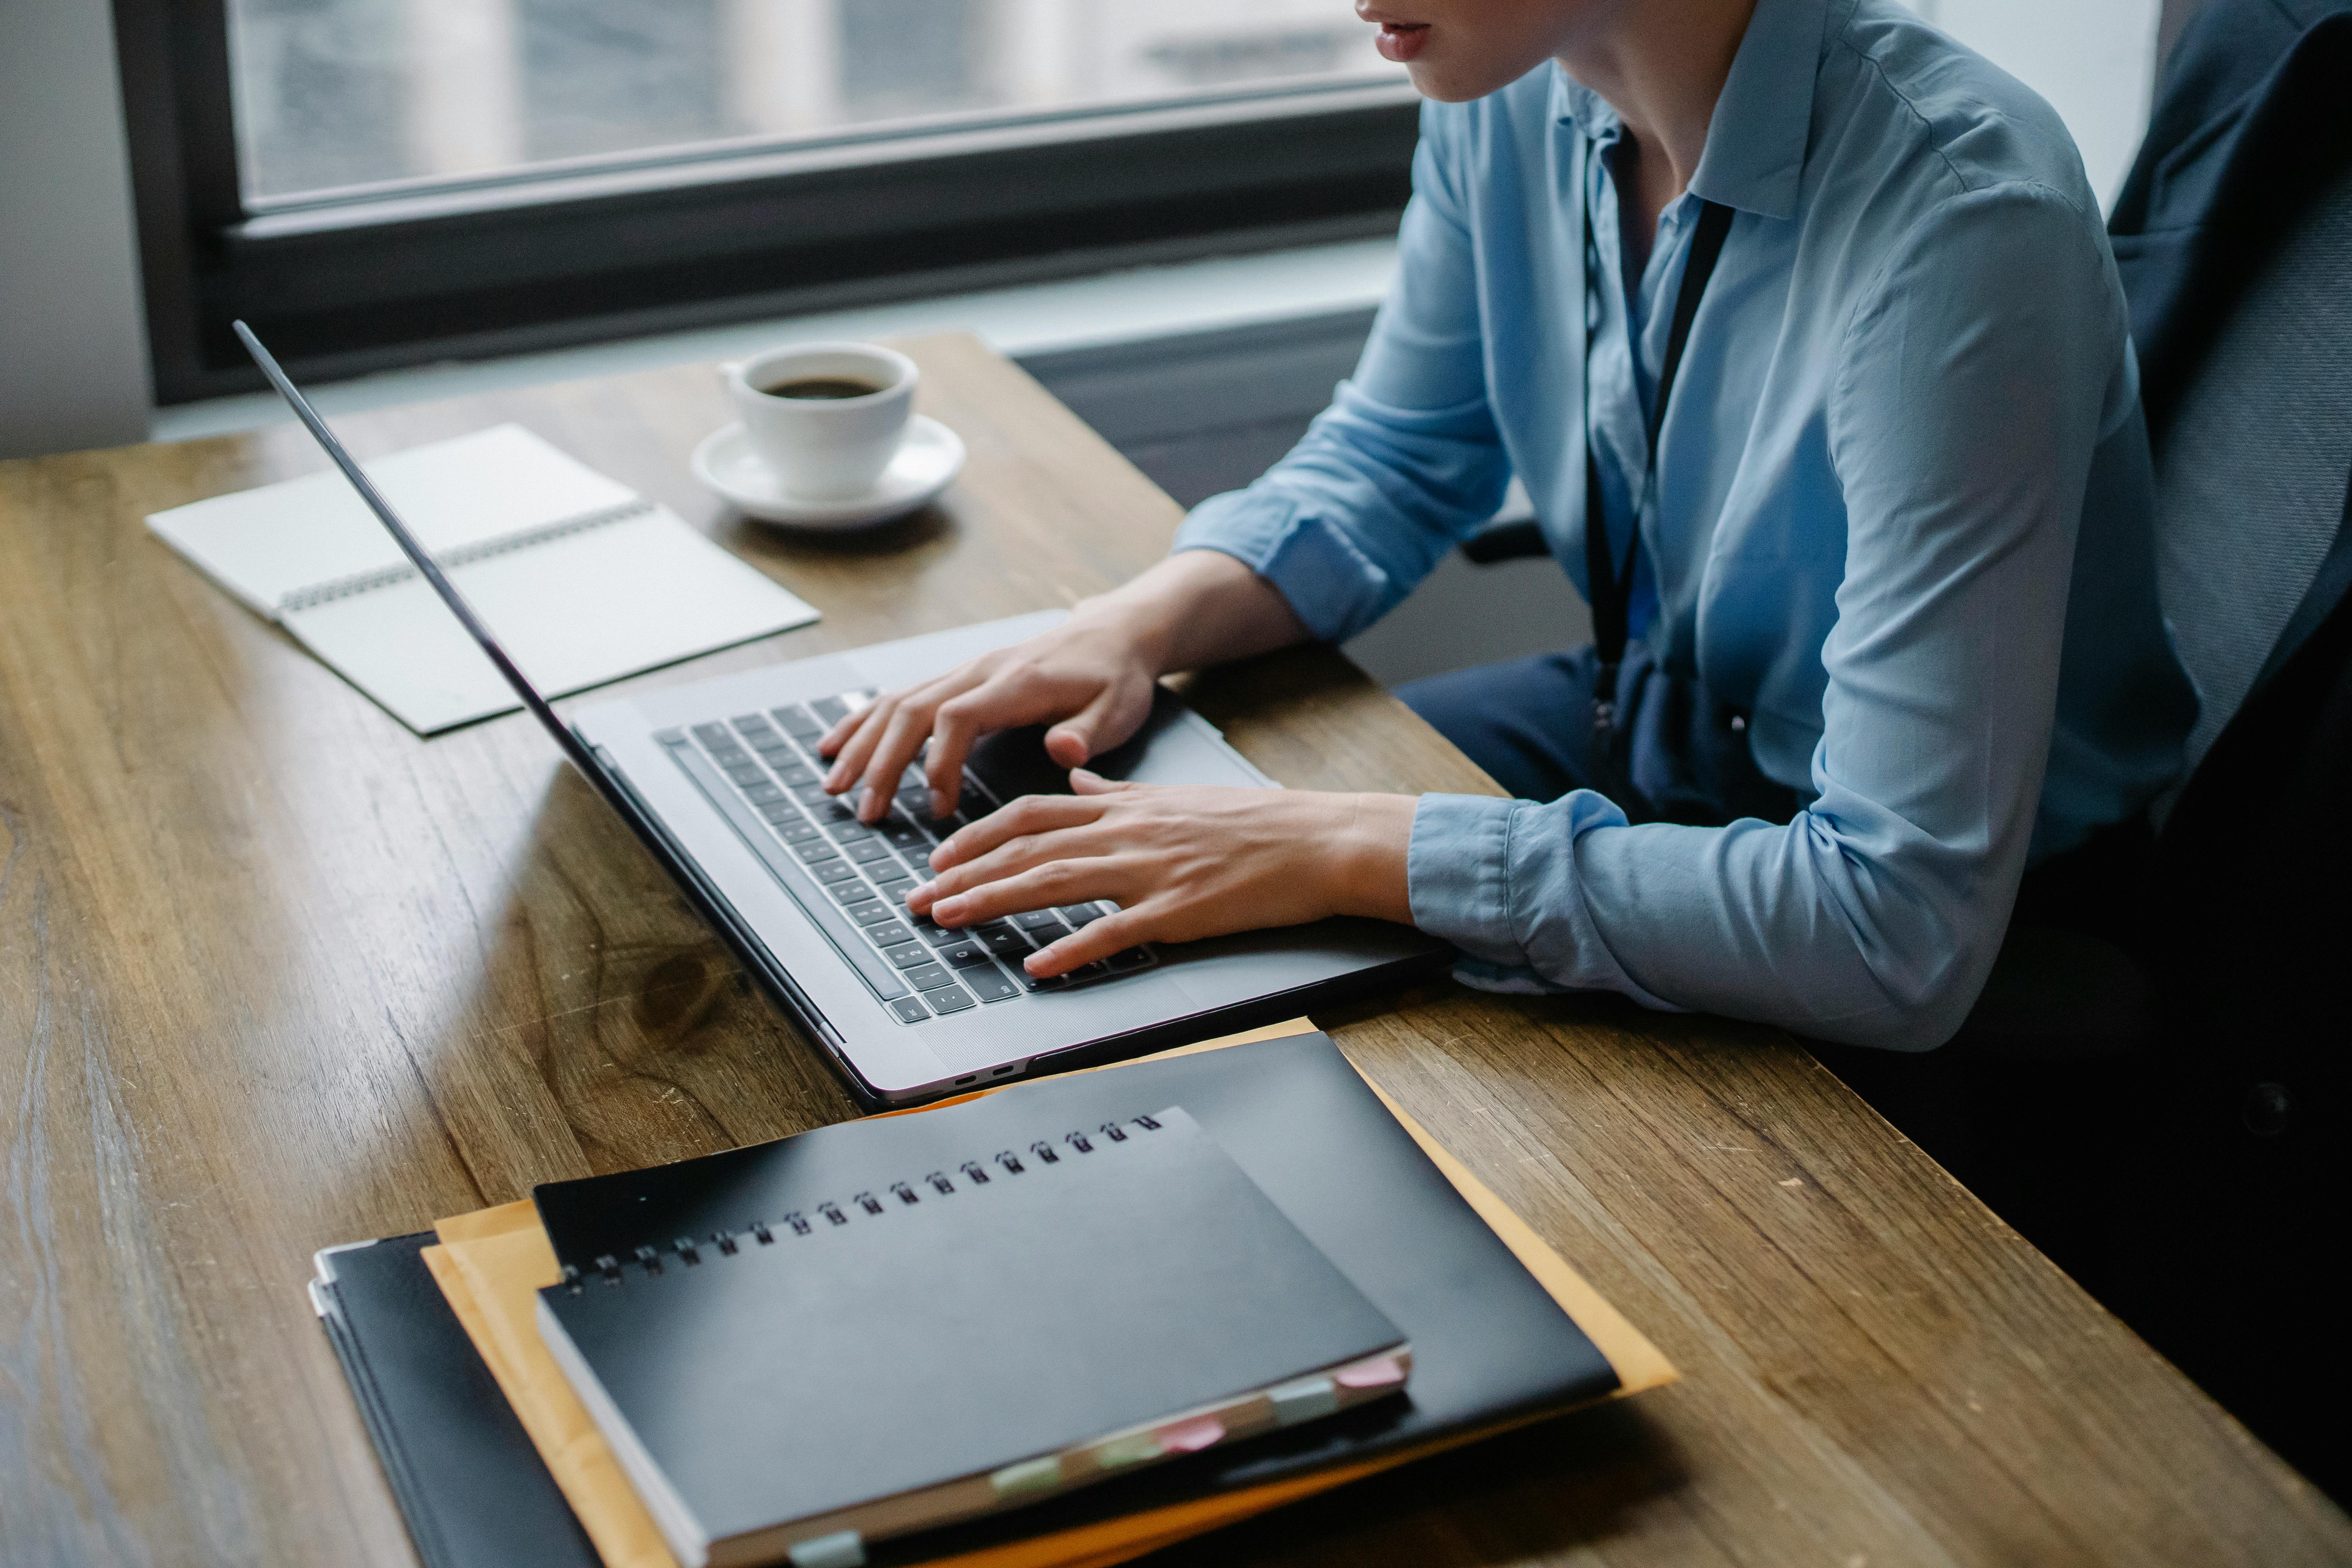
[(827, 386)]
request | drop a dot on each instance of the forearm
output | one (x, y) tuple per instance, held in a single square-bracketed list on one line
[(1196, 608)]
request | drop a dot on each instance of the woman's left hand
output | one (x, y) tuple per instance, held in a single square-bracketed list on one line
[(1180, 862)]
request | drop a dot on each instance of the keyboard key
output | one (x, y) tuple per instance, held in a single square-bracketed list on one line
[(833, 870), (964, 956), (848, 832), (1031, 982), (917, 859), (809, 793), (904, 835), (713, 735), (949, 999), (1130, 961), (747, 722), (815, 849), (829, 710), (1037, 920), (1094, 971), (930, 977), (910, 1009), (797, 829), (865, 851), (888, 932), (1050, 932), (762, 793), (830, 809), (1004, 941), (915, 803), (797, 722), (747, 772), (791, 772), (852, 890), (939, 935), (872, 912), (894, 888), (1078, 916), (785, 816), (908, 955), (989, 986)]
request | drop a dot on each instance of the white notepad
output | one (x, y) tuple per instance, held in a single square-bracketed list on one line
[(583, 580)]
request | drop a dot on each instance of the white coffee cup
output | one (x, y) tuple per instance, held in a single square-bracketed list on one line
[(824, 443)]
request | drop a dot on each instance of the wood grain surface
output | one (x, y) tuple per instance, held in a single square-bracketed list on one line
[(275, 974)]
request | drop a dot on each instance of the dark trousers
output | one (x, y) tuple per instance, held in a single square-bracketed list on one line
[(1675, 754)]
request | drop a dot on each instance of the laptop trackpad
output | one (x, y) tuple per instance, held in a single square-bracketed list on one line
[(1174, 746)]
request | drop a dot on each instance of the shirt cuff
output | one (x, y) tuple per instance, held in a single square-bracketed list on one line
[(1333, 588), (1457, 873), (1498, 879)]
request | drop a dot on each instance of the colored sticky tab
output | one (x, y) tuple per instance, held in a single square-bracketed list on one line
[(1386, 1372), (1304, 1400), (841, 1549), (1190, 1436), (1028, 1476), (1129, 1450)]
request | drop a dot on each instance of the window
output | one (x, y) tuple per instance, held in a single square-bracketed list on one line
[(374, 182), (331, 94)]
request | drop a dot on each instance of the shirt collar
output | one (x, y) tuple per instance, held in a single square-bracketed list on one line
[(1754, 154)]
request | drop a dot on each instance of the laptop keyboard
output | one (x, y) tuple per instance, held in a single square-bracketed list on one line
[(762, 772)]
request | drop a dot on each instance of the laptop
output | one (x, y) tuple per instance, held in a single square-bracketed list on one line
[(719, 778)]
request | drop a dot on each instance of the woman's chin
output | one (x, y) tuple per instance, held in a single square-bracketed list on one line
[(1446, 82)]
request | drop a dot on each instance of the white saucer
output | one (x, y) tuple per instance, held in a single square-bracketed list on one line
[(928, 462)]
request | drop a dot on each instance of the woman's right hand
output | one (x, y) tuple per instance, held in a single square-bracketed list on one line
[(1090, 679)]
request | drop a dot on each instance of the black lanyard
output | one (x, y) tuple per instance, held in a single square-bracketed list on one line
[(1612, 588)]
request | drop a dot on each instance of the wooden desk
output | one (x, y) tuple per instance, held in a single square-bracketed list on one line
[(275, 974)]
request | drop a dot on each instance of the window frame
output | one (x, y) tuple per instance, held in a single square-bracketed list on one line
[(368, 279)]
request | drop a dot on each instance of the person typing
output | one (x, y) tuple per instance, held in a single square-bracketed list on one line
[(1798, 322)]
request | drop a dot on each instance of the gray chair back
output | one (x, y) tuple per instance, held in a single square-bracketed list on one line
[(2251, 471)]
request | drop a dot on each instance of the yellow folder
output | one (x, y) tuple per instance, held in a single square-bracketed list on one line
[(492, 1264)]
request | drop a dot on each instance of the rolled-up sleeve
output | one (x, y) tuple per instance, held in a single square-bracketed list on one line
[(1407, 460), (1976, 378)]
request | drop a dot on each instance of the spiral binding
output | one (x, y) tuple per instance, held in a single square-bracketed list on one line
[(688, 1251), (335, 588)]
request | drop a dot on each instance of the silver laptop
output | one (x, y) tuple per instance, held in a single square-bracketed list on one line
[(720, 778)]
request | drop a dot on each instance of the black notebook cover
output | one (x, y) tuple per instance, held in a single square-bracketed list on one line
[(1044, 1290), (1490, 1346), (463, 1470)]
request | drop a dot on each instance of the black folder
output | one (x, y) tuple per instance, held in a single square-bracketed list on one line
[(1491, 1347)]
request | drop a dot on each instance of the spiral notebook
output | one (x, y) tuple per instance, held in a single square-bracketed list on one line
[(930, 1346), (583, 580)]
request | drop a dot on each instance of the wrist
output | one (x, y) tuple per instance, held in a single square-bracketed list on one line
[(1374, 849)]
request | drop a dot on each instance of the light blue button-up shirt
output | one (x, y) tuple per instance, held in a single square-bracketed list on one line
[(1900, 516)]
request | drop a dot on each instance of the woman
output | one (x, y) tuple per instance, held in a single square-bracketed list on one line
[(1842, 694)]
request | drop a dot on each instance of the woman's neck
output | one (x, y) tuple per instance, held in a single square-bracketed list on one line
[(1661, 65)]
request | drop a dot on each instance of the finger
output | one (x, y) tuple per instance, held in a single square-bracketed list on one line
[(1056, 883), (842, 741), (833, 739), (959, 721), (1086, 781), (1117, 712), (1031, 813), (901, 741), (1096, 939), (1022, 855), (858, 747)]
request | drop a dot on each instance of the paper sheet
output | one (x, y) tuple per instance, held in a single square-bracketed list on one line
[(582, 581)]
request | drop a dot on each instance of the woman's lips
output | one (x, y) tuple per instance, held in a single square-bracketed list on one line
[(1400, 41)]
